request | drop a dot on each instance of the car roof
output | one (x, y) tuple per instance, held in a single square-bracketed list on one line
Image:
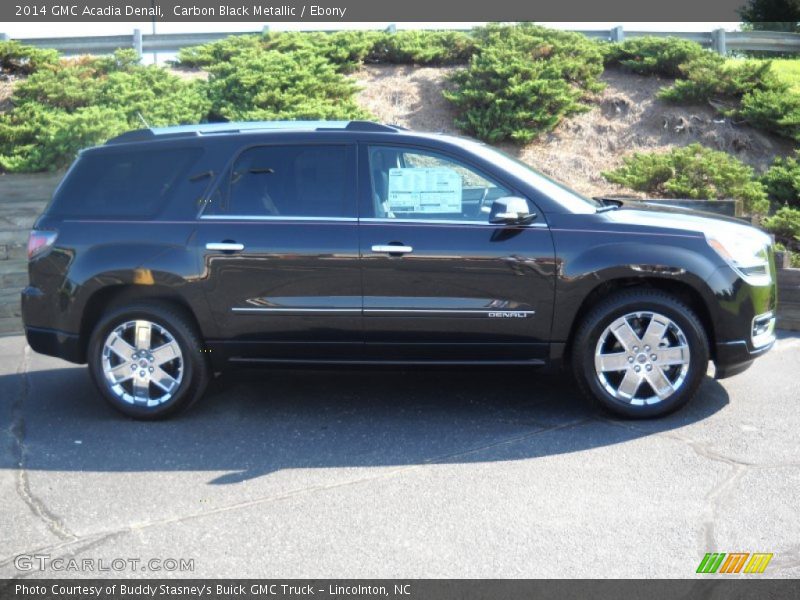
[(238, 127)]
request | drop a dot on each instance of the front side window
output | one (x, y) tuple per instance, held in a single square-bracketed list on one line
[(416, 184), (288, 181)]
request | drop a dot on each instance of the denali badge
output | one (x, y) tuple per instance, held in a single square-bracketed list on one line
[(506, 314)]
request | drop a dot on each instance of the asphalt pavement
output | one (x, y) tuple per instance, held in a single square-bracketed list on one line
[(419, 473)]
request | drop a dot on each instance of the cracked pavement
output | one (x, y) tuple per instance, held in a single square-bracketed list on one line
[(429, 473)]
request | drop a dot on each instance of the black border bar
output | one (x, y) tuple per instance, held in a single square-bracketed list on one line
[(367, 10), (742, 587)]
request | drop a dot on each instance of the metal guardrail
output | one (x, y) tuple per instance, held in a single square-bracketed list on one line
[(719, 40)]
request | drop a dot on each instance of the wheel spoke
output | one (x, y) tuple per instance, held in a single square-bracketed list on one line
[(122, 372), (143, 334), (659, 382), (629, 384), (120, 356), (660, 357), (655, 331), (120, 347), (141, 389), (164, 380), (625, 334), (612, 362), (166, 353), (677, 355)]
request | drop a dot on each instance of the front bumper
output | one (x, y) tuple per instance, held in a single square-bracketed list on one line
[(734, 357), (744, 319)]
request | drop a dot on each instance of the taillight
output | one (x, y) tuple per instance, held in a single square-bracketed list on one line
[(40, 241)]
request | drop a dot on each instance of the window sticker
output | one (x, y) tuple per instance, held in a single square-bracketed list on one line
[(424, 190)]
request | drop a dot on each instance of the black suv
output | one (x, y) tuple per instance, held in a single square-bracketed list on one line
[(169, 254)]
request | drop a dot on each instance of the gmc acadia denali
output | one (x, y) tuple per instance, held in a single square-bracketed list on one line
[(168, 254)]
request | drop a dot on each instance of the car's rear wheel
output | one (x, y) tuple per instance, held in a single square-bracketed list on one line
[(146, 360), (640, 353)]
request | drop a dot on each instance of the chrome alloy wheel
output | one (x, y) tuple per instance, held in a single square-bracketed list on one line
[(642, 358), (142, 363)]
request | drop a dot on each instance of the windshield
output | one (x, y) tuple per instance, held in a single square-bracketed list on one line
[(569, 199)]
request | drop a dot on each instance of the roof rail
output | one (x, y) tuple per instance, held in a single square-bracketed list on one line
[(140, 135), (137, 135), (370, 126)]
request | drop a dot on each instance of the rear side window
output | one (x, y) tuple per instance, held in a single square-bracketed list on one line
[(289, 181), (123, 184)]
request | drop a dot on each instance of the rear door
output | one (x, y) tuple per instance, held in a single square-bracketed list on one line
[(440, 281), (279, 242)]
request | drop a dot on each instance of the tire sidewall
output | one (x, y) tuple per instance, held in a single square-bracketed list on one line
[(186, 389), (683, 318)]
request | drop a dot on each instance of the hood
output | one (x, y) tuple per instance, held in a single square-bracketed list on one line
[(667, 217)]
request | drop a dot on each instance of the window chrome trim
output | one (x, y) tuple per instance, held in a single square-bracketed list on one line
[(449, 222), (368, 220), (275, 218)]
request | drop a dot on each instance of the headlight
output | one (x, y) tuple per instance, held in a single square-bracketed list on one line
[(747, 252)]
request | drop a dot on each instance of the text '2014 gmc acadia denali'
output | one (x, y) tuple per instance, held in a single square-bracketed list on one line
[(168, 254)]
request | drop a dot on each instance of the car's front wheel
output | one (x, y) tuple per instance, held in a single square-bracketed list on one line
[(640, 353), (146, 360)]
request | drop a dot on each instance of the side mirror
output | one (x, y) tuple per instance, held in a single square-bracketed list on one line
[(511, 210)]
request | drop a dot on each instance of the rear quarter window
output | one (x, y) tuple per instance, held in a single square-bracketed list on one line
[(123, 184)]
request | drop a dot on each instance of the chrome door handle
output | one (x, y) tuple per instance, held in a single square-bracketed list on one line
[(225, 246), (392, 249)]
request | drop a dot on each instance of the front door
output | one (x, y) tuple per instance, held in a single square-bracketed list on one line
[(279, 242), (440, 281)]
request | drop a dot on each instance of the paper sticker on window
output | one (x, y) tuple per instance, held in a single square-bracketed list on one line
[(427, 190)]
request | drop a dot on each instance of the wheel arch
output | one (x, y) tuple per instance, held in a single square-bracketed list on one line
[(679, 289), (113, 296)]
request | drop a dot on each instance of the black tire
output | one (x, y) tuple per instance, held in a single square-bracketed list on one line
[(587, 336), (194, 367)]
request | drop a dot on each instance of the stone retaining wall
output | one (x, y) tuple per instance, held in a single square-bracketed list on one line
[(789, 299), (22, 198)]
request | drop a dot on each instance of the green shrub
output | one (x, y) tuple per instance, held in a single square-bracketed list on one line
[(504, 95), (262, 85), (692, 172), (751, 88), (35, 138), (157, 95), (577, 58), (116, 81), (711, 77), (69, 87), (654, 55), (17, 59), (423, 48), (223, 50), (85, 101), (348, 50), (782, 180), (785, 224), (523, 80), (345, 49), (773, 110)]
